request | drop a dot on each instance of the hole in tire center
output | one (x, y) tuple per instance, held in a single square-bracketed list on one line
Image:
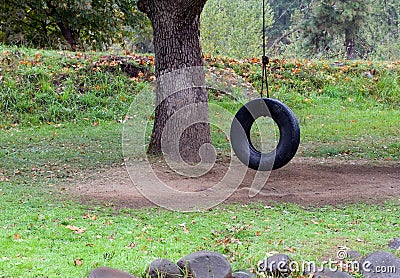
[(264, 134)]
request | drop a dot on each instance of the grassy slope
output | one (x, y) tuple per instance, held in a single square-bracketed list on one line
[(342, 112), (41, 148)]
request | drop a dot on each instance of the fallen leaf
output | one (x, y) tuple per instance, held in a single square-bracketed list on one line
[(185, 229), (131, 245), (76, 229), (89, 216), (255, 60), (290, 249), (78, 262)]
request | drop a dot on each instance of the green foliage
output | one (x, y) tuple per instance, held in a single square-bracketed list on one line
[(233, 28), (283, 11), (380, 35), (335, 18), (345, 29), (80, 23)]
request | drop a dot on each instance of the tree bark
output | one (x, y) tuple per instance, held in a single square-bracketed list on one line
[(180, 93), (68, 34), (350, 45)]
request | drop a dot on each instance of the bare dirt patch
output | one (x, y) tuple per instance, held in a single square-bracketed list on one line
[(304, 181)]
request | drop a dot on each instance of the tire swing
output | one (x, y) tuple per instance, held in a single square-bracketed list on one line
[(282, 115), (289, 134)]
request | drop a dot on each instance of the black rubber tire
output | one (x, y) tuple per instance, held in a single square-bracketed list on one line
[(289, 134)]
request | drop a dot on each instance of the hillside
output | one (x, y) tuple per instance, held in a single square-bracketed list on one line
[(348, 108)]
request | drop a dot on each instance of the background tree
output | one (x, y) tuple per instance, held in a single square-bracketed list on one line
[(283, 11), (176, 31), (332, 19), (380, 35), (94, 23), (233, 28), (324, 29)]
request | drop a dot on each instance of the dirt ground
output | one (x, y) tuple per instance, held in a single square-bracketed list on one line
[(305, 181)]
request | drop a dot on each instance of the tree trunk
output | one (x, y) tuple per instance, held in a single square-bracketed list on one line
[(181, 97), (350, 45), (68, 34)]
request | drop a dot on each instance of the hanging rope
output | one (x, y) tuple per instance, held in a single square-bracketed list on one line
[(265, 58)]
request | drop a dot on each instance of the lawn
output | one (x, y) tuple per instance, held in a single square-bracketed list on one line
[(63, 116)]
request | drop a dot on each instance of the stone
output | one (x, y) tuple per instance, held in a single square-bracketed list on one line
[(243, 274), (380, 265), (353, 255), (395, 244), (310, 268), (206, 264), (277, 265), (163, 268), (329, 273), (107, 272)]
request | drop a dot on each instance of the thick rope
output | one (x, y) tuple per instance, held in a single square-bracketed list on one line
[(265, 59)]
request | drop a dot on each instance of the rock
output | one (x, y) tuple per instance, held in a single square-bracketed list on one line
[(395, 244), (328, 273), (243, 274), (163, 268), (106, 272), (205, 264), (353, 255), (380, 265), (277, 265), (309, 268)]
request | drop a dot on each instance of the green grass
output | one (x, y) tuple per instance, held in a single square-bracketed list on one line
[(62, 116), (58, 151), (38, 238), (47, 86)]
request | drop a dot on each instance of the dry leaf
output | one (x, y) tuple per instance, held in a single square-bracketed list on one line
[(255, 60), (185, 229), (290, 249), (78, 262), (76, 229), (131, 245), (89, 216)]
